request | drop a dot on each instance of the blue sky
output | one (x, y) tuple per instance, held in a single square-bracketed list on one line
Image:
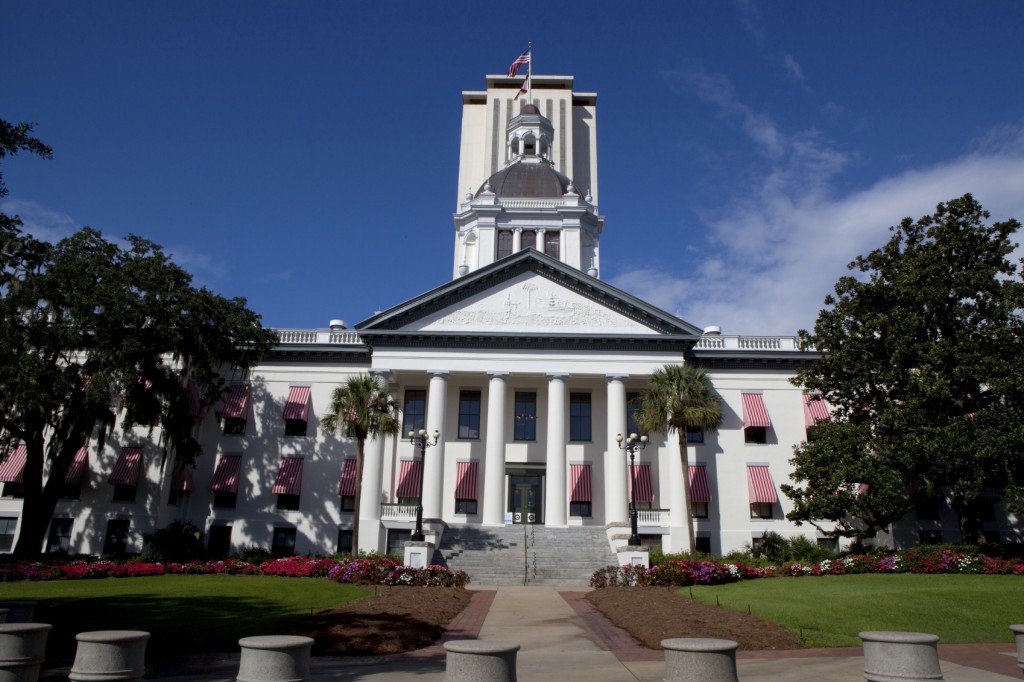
[(304, 155)]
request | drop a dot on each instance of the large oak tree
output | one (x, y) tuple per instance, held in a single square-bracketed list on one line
[(923, 367)]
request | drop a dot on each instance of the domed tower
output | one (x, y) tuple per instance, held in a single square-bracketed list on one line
[(529, 200)]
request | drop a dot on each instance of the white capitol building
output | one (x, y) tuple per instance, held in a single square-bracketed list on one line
[(525, 362)]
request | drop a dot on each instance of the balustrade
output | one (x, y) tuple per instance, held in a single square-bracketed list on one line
[(398, 512)]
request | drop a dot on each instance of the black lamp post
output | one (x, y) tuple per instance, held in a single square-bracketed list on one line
[(419, 439), (631, 446)]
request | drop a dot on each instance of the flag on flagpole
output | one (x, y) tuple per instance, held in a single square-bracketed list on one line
[(524, 58), (523, 89)]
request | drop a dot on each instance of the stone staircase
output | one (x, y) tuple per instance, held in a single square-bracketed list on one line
[(525, 554)]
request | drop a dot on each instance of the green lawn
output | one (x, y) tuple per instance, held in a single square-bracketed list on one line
[(184, 613), (831, 610)]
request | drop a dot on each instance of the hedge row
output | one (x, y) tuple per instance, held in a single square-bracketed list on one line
[(374, 570), (684, 573)]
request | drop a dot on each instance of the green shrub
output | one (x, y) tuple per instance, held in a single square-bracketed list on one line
[(253, 554), (178, 542)]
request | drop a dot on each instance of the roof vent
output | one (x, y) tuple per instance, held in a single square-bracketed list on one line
[(338, 324), (713, 330)]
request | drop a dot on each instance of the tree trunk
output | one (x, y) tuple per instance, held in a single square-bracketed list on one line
[(687, 507), (360, 443), (40, 501), (968, 516)]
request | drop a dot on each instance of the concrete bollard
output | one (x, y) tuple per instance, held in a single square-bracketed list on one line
[(695, 659), (1018, 635), (19, 611), (274, 658), (472, 660), (109, 655), (900, 656), (22, 649)]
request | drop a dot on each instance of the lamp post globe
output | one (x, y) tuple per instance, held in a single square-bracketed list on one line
[(631, 445)]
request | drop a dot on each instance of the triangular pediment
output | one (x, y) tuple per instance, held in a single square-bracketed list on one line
[(527, 294)]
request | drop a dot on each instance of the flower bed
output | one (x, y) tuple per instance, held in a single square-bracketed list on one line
[(685, 573), (374, 570)]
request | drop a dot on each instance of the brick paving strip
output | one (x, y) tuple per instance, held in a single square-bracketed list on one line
[(625, 647), (993, 658)]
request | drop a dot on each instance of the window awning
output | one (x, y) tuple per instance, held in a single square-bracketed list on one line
[(236, 405), (297, 405), (754, 411), (13, 468), (195, 407), (700, 491), (126, 470), (347, 486), (409, 478), (644, 489), (181, 481), (465, 482), (815, 409), (225, 477), (79, 467), (582, 483), (760, 485), (289, 477)]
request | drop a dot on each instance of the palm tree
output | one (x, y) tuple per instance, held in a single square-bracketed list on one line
[(678, 397), (361, 408)]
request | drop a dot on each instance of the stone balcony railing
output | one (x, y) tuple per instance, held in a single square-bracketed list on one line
[(397, 512), (337, 337), (652, 517), (747, 343)]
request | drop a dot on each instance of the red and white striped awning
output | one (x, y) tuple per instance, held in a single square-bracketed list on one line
[(815, 409), (347, 486), (644, 489), (225, 477), (181, 481), (126, 470), (195, 407), (409, 478), (760, 485), (13, 468), (79, 466), (236, 405), (289, 477), (465, 481), (754, 411), (297, 405), (699, 489), (581, 481)]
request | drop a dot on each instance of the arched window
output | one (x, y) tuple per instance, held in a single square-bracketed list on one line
[(551, 241), (528, 239), (504, 243)]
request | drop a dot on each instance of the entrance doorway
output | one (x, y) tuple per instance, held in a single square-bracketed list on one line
[(526, 495)]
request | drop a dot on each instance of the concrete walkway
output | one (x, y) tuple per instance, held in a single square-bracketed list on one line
[(563, 638)]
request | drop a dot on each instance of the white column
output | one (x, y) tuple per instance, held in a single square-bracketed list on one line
[(676, 477), (555, 502), (517, 240), (494, 462), (616, 506), (433, 468)]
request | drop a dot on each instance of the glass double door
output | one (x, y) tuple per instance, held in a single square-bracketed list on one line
[(526, 496)]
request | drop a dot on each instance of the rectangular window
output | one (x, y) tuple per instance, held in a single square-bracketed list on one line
[(116, 542), (831, 544), (14, 489), (528, 239), (927, 509), (348, 503), (7, 526), (526, 415), (694, 435), (284, 542), (632, 405), (218, 545), (125, 493), (234, 426), (296, 411), (930, 537), (396, 541), (414, 412), (469, 414), (579, 417), (224, 499), (755, 435), (702, 543), (295, 427), (465, 506), (761, 510), (236, 410), (551, 241), (700, 510), (60, 536), (580, 509), (287, 502), (504, 243), (344, 541)]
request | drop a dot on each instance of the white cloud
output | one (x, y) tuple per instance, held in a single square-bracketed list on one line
[(43, 223), (793, 67)]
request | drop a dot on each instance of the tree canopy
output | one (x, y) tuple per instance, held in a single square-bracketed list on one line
[(94, 335), (922, 366)]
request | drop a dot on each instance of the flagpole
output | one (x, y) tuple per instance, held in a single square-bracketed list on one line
[(529, 69)]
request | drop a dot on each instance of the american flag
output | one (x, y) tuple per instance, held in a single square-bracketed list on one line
[(524, 58)]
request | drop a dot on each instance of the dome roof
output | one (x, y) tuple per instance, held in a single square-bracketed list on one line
[(528, 179)]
